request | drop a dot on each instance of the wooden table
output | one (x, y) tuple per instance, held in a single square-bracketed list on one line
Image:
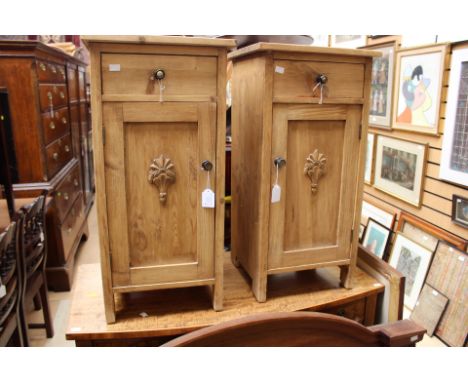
[(152, 318)]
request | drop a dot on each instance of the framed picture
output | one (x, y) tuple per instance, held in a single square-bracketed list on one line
[(454, 158), (416, 103), (348, 41), (369, 169), (449, 275), (376, 238), (362, 229), (412, 260), (369, 210), (429, 309), (460, 210), (426, 234), (383, 70), (399, 168)]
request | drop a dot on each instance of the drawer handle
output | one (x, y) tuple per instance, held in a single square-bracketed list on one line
[(64, 120), (158, 74), (55, 156), (315, 168), (279, 162), (53, 68), (161, 174), (207, 165), (320, 82), (67, 148), (42, 66), (75, 182), (65, 196), (49, 96), (52, 125), (62, 95)]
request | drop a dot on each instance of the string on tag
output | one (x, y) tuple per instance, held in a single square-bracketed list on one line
[(277, 174), (319, 84), (208, 182), (161, 90)]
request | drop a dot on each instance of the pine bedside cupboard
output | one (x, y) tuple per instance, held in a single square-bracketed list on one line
[(159, 110), (299, 123)]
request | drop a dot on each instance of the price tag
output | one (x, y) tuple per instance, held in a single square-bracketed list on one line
[(276, 193), (114, 67), (435, 293), (279, 69), (208, 198), (3, 290)]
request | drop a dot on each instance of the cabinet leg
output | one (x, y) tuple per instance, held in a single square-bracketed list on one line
[(109, 306), (259, 287), (346, 276), (218, 294)]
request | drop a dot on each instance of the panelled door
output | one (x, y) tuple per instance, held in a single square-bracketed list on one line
[(313, 219), (158, 230)]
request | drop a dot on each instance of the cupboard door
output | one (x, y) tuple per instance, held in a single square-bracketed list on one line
[(312, 222), (158, 230)]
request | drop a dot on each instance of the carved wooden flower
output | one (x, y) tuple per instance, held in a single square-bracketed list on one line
[(314, 168), (161, 173)]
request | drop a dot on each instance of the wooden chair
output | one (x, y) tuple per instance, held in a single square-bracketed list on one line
[(301, 329), (34, 257), (10, 274)]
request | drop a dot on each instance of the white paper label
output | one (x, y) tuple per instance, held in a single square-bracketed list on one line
[(279, 69), (114, 67), (2, 291), (75, 329), (461, 258), (276, 193), (414, 338), (144, 314), (435, 293), (208, 198)]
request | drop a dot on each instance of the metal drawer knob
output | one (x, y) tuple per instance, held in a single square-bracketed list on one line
[(279, 162), (53, 68), (49, 95), (207, 165), (42, 66), (65, 196), (75, 182), (62, 95), (55, 156), (52, 125), (64, 120), (321, 79), (67, 148), (158, 74)]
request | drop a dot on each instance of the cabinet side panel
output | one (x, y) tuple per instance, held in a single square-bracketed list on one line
[(16, 75), (248, 97)]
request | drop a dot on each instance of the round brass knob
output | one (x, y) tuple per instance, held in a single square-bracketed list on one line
[(49, 95), (55, 156), (75, 182), (207, 165), (52, 125), (67, 148), (62, 95), (64, 120), (158, 74), (53, 68), (65, 196), (42, 66)]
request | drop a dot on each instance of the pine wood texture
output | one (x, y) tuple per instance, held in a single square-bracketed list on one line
[(178, 311), (437, 194), (160, 40), (276, 113), (157, 235)]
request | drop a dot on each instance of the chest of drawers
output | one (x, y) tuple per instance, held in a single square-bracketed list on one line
[(299, 126), (49, 119), (159, 116)]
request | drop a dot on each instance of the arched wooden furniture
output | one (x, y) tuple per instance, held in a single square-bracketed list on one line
[(301, 329), (10, 323), (34, 256)]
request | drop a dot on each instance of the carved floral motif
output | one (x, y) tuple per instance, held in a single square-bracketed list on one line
[(314, 168), (161, 174)]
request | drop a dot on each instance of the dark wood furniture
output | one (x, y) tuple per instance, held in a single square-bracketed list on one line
[(10, 287), (301, 329), (50, 134), (175, 312), (33, 263), (5, 153)]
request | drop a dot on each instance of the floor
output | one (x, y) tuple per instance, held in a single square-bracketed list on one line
[(60, 302)]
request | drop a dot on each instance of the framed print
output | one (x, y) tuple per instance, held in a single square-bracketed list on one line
[(362, 229), (412, 260), (460, 210), (369, 166), (348, 41), (383, 69), (399, 168), (426, 234), (418, 77), (449, 275), (385, 218), (376, 238), (429, 308), (454, 158)]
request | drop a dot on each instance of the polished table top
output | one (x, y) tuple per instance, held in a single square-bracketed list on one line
[(177, 311)]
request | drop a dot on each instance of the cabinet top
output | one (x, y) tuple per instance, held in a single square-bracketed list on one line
[(294, 48), (160, 40)]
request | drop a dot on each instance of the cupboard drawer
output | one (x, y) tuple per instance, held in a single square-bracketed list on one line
[(50, 72), (56, 126), (355, 310), (58, 154), (294, 81), (71, 225), (52, 96), (67, 191), (192, 77)]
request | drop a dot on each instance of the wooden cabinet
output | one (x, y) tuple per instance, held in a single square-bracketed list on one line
[(158, 144), (48, 116), (299, 124)]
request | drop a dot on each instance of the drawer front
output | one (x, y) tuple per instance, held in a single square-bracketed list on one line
[(355, 310), (55, 126), (82, 86), (72, 84), (67, 192), (71, 225), (191, 77), (50, 72), (58, 154), (294, 81), (52, 96)]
